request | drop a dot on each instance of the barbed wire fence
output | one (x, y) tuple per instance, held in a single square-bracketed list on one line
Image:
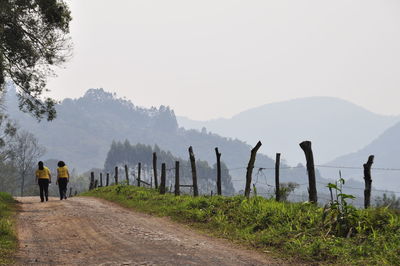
[(260, 180)]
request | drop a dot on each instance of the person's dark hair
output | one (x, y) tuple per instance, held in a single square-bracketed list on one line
[(60, 164), (40, 164)]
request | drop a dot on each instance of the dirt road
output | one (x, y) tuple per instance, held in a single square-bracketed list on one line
[(89, 231)]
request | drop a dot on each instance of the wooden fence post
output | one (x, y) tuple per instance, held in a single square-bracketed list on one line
[(368, 181), (101, 179), (194, 172), (91, 184), (116, 175), (96, 183), (219, 185), (107, 179), (70, 192), (250, 167), (312, 190), (177, 191), (139, 172), (277, 165), (163, 176), (155, 169), (126, 175)]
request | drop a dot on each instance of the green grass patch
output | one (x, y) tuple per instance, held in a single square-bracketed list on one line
[(298, 231), (8, 239)]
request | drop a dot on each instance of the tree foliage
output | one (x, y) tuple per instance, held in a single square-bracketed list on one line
[(33, 38), (7, 132), (389, 201), (285, 190), (122, 153)]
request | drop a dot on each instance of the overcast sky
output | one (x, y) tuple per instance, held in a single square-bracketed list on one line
[(215, 58)]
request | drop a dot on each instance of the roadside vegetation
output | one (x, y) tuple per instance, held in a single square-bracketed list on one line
[(8, 239), (335, 234)]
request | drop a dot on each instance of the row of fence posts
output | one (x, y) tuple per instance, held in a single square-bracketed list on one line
[(305, 146)]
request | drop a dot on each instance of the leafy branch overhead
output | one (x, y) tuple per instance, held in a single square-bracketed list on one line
[(33, 39)]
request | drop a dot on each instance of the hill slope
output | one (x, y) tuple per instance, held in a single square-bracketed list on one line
[(386, 149), (335, 126)]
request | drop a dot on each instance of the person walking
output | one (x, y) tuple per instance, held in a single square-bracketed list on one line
[(43, 178), (62, 179)]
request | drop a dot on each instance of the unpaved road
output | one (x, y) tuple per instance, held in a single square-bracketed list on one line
[(89, 231)]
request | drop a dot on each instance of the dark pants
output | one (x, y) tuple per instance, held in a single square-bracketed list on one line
[(44, 187), (62, 186)]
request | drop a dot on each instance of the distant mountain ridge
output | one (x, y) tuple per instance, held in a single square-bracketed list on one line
[(335, 127), (85, 128)]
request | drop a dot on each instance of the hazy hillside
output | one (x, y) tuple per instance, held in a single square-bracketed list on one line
[(386, 149), (335, 127), (85, 128)]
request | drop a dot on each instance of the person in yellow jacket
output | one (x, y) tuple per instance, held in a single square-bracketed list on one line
[(62, 179), (43, 178)]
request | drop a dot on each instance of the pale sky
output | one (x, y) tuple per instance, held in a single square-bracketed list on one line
[(215, 58)]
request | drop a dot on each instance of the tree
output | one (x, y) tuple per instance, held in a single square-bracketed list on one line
[(26, 151), (285, 190), (389, 201), (7, 132), (33, 38), (7, 170), (122, 153)]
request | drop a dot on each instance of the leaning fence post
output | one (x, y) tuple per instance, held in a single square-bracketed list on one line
[(116, 175), (155, 169), (126, 175), (101, 179), (163, 176), (139, 172), (177, 192), (219, 185), (250, 167), (368, 181), (277, 165), (194, 172), (107, 179), (91, 185), (306, 147)]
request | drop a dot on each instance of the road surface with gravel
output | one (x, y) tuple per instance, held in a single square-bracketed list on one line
[(90, 231)]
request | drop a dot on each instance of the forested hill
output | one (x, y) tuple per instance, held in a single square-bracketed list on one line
[(85, 128), (121, 154)]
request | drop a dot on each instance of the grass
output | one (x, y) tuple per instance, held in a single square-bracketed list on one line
[(296, 231), (8, 239)]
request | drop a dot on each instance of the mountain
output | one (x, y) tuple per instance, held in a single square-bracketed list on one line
[(335, 127), (386, 149), (84, 129)]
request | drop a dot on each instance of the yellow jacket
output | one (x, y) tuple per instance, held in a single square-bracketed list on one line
[(43, 174), (62, 172)]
